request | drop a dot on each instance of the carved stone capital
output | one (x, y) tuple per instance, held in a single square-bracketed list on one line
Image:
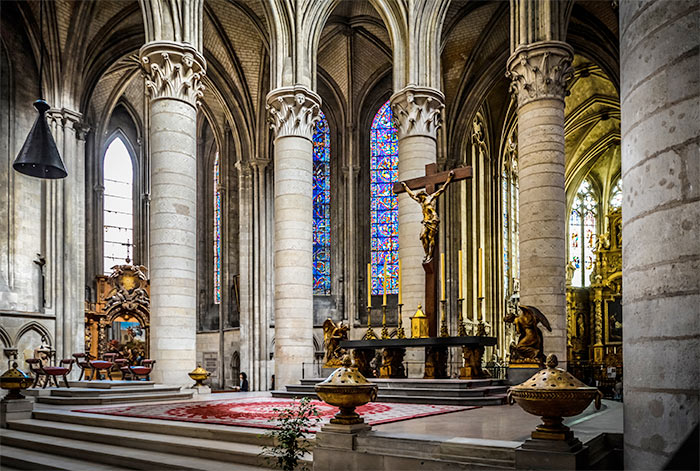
[(417, 111), (173, 70), (540, 70), (294, 111)]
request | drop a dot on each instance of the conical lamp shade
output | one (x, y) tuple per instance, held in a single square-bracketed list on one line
[(39, 156)]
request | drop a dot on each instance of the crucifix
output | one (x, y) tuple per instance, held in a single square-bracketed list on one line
[(429, 237)]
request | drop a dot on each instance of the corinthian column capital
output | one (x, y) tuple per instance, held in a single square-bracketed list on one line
[(417, 111), (173, 70), (540, 70), (294, 111)]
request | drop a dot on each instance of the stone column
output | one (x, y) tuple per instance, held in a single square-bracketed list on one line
[(173, 81), (294, 112), (539, 72), (416, 113), (660, 100)]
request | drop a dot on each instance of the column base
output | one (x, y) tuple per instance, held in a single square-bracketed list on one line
[(551, 454), (15, 409), (519, 373)]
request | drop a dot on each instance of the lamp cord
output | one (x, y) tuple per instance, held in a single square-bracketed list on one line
[(41, 48)]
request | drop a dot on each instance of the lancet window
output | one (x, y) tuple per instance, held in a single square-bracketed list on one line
[(582, 234), (616, 195), (511, 217), (322, 208), (217, 229), (384, 213), (118, 210)]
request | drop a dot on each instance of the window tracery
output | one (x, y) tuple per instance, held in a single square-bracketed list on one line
[(322, 208), (582, 234), (118, 211), (217, 229), (511, 217)]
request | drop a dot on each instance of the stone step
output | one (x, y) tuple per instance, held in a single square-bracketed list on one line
[(389, 383), (20, 458), (106, 384), (396, 391), (230, 433), (115, 399), (493, 400), (94, 392), (134, 456)]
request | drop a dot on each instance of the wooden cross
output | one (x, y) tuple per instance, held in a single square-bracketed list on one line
[(430, 181)]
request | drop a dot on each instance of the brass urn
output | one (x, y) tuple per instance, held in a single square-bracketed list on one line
[(14, 380), (553, 394), (346, 389), (199, 374)]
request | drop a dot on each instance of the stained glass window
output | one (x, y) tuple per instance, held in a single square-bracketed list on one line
[(322, 207), (217, 230), (583, 234), (118, 211), (384, 212), (616, 195), (511, 217)]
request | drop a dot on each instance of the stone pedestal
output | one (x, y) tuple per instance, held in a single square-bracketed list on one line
[(200, 390), (15, 409), (551, 454), (520, 373), (335, 445)]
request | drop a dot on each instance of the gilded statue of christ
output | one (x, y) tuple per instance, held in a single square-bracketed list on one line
[(431, 220)]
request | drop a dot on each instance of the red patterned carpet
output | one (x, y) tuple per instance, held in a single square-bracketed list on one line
[(258, 411)]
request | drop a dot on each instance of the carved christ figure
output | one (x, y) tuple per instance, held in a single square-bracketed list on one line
[(431, 220)]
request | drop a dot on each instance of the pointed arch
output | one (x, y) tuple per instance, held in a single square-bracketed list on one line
[(38, 328)]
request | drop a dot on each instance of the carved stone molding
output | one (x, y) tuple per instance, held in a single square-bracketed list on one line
[(173, 71), (417, 111), (540, 70), (294, 111)]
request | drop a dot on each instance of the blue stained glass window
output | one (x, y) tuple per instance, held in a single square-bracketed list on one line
[(384, 209), (322, 207), (217, 230)]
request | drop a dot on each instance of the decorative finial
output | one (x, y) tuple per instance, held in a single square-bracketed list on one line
[(552, 361)]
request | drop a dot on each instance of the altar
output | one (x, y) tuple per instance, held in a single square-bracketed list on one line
[(394, 349)]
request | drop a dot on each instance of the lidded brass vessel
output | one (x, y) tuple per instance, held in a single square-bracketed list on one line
[(553, 394), (15, 380), (346, 389), (199, 374)]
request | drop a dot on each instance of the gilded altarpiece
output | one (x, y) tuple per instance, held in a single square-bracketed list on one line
[(119, 320), (594, 314)]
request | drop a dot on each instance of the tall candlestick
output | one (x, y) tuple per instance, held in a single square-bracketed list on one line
[(442, 276), (400, 283), (384, 286), (369, 285), (481, 273), (461, 293)]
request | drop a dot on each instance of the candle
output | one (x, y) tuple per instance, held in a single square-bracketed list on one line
[(480, 259), (369, 285), (384, 293), (461, 292), (442, 276), (400, 282)]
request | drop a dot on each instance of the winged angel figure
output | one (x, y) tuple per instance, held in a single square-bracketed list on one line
[(332, 335), (530, 346)]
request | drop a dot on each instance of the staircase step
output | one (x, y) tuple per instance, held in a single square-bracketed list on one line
[(494, 400), (106, 384), (20, 458), (401, 391), (114, 399), (94, 392), (135, 457), (228, 433)]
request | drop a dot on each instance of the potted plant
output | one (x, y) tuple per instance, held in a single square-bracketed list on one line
[(289, 438)]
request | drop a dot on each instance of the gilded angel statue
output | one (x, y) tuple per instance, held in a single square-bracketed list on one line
[(332, 335), (530, 346)]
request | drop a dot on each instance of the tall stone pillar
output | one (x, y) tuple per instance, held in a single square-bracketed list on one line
[(173, 81), (416, 112), (539, 72), (294, 112), (660, 100)]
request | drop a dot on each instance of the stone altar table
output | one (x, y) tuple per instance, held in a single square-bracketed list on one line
[(435, 355)]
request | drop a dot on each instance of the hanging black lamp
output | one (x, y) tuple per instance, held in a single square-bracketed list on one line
[(39, 156)]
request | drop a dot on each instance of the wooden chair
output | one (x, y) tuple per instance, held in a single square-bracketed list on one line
[(144, 370), (36, 369), (83, 362), (101, 365), (123, 365), (55, 371)]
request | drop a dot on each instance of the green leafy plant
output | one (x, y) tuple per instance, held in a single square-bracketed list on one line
[(290, 442)]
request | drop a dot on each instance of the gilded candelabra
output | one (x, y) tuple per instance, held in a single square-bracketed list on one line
[(400, 334), (461, 328), (481, 327), (443, 321), (385, 331), (369, 335)]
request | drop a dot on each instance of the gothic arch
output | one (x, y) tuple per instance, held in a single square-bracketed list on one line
[(36, 327), (5, 338)]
